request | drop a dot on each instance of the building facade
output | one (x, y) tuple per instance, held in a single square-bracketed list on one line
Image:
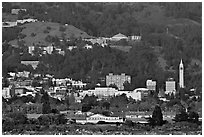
[(118, 80), (170, 86), (151, 85)]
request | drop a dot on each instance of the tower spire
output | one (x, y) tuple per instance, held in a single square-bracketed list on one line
[(181, 75)]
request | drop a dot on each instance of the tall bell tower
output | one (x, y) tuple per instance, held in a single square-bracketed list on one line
[(181, 75)]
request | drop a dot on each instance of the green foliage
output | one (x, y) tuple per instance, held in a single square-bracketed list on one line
[(157, 116), (18, 117), (7, 124), (46, 109), (86, 107), (90, 100), (44, 120)]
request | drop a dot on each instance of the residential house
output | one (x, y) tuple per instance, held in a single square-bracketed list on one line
[(9, 24), (135, 38), (71, 48), (34, 64), (23, 74), (16, 11)]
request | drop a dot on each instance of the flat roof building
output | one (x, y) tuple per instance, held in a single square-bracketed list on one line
[(118, 80)]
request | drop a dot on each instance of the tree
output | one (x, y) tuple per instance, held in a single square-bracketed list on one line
[(86, 107), (46, 109), (67, 101), (113, 86), (127, 86), (182, 116), (157, 116), (106, 105)]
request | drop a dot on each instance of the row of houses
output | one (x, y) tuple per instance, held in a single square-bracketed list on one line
[(8, 24)]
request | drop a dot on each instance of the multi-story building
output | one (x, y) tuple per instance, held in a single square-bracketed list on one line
[(170, 86), (118, 80), (6, 92), (151, 85)]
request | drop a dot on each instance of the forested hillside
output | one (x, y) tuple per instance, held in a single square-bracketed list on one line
[(170, 31)]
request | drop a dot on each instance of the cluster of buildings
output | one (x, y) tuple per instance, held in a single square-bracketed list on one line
[(61, 87), (9, 23)]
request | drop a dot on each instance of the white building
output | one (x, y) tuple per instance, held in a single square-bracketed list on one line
[(34, 64), (26, 21), (98, 117), (137, 94), (6, 92), (118, 37), (101, 92), (23, 74), (170, 86), (16, 11), (151, 85), (88, 46), (71, 48), (9, 24), (31, 49), (118, 80), (136, 38)]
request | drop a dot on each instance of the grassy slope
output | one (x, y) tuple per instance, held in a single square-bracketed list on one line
[(39, 27)]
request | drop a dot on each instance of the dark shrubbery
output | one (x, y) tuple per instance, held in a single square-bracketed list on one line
[(129, 123), (52, 119), (7, 124), (188, 117), (12, 120), (18, 118), (44, 120), (157, 117)]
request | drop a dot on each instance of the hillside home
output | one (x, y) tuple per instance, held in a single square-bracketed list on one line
[(16, 11), (34, 64), (9, 24)]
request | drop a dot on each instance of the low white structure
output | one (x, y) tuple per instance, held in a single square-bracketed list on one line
[(9, 24), (23, 74), (34, 64), (26, 21), (98, 117), (136, 94), (101, 92), (16, 11), (135, 38), (118, 37), (71, 48), (88, 46)]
